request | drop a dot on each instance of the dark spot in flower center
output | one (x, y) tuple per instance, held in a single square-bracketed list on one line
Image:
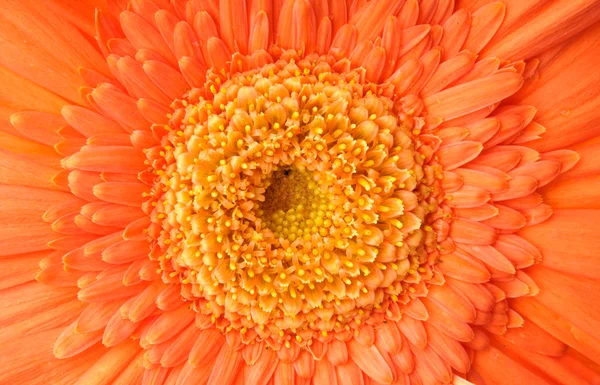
[(294, 205)]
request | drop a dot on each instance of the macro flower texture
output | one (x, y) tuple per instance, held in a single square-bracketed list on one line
[(299, 192)]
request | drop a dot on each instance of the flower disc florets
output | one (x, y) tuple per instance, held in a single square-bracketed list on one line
[(295, 201)]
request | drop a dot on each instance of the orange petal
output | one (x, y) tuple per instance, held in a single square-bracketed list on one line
[(191, 375), (166, 78), (128, 194), (259, 34), (473, 233), (491, 361), (39, 126), (139, 84), (180, 347), (359, 52), (23, 170), (544, 171), (450, 350), (443, 11), (304, 365), (251, 353), (480, 213), (537, 214), (304, 26), (453, 302), (324, 374), (108, 288), (374, 63), (429, 63), (218, 53), (193, 71), (514, 288), (573, 193), (168, 325), (455, 155), (520, 252), (471, 96), (412, 37), (89, 123), (468, 197), (388, 337), (115, 360), (344, 41), (461, 266), (349, 373), (207, 343), (535, 339), (388, 37), (165, 23), (131, 160), (72, 342), (448, 72), (456, 29), (568, 119), (409, 14), (568, 241), (118, 330), (116, 215), (427, 9), (185, 42), (430, 363), (520, 41), (70, 242), (143, 35), (485, 23), (18, 269), (226, 366), (52, 64), (477, 294), (40, 366), (371, 19), (405, 76), (518, 187), (119, 107), (452, 134), (260, 372), (513, 120), (490, 256), (96, 316), (556, 325), (337, 352), (447, 324), (507, 219), (451, 181), (233, 21), (494, 183), (531, 132), (483, 130), (133, 373), (370, 361), (125, 252), (564, 369), (413, 331)]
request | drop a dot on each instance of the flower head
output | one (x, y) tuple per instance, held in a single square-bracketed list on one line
[(296, 201)]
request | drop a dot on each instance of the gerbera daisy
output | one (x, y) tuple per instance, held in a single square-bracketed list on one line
[(299, 192)]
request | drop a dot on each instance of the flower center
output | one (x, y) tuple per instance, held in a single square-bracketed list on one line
[(296, 206), (294, 202)]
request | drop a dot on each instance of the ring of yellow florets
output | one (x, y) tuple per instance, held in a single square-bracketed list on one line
[(294, 202)]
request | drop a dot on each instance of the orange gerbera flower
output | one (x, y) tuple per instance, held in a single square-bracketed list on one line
[(271, 192)]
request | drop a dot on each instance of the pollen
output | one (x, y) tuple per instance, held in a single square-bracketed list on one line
[(291, 211)]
